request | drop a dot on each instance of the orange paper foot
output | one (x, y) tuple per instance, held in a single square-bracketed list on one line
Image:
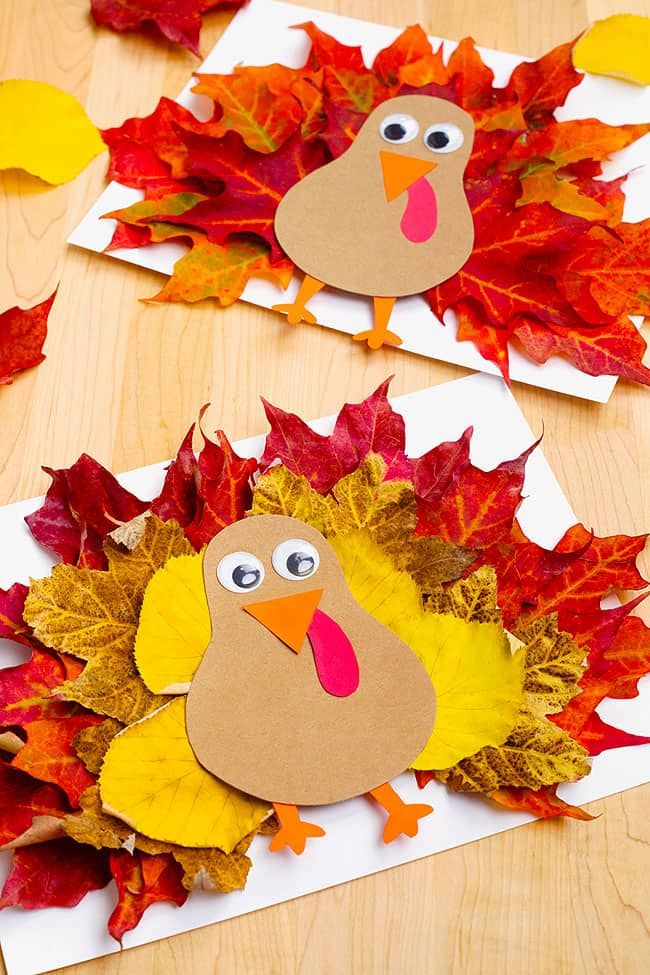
[(296, 313), (376, 338), (294, 831), (402, 818)]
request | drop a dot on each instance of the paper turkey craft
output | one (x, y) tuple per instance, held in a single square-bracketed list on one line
[(388, 217), (301, 697)]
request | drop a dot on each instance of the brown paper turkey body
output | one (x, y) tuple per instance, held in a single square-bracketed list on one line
[(302, 698), (387, 218)]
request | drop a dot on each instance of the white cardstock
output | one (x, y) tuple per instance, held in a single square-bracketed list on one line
[(262, 33), (37, 941)]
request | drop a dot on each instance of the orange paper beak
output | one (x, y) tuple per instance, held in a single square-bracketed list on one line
[(288, 617), (400, 172)]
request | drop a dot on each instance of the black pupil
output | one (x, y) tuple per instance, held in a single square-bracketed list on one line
[(245, 576), (437, 140), (395, 131), (300, 564)]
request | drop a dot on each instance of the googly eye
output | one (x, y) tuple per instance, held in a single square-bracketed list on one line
[(295, 559), (398, 128), (443, 137), (240, 572)]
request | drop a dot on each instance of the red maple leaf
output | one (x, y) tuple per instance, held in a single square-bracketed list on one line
[(55, 874), (178, 20), (83, 504), (142, 880), (371, 426), (48, 754), (22, 334), (22, 799)]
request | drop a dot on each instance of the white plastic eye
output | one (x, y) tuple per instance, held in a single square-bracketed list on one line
[(295, 559), (443, 137), (240, 572), (398, 128)]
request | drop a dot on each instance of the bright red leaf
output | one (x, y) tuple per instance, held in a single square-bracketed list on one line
[(55, 874), (48, 754), (22, 334), (22, 799), (178, 20)]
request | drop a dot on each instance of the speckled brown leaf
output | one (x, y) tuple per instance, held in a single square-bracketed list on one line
[(471, 599)]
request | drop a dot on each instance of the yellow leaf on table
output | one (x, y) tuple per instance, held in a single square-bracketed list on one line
[(617, 46), (174, 627), (281, 492), (478, 685), (151, 780), (45, 131)]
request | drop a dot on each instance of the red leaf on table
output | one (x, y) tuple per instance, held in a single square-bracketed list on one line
[(543, 803), (83, 504), (25, 690), (327, 51), (55, 874), (22, 333), (471, 78), (597, 737), (371, 426), (177, 20), (570, 142), (49, 756), (596, 630), (478, 508), (207, 493), (142, 880), (22, 799)]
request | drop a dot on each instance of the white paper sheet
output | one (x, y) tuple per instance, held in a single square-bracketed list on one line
[(34, 942), (261, 33)]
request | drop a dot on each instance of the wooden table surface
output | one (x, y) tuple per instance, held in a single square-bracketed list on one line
[(124, 380)]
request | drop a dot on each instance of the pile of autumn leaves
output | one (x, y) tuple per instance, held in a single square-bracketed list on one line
[(445, 525), (554, 269)]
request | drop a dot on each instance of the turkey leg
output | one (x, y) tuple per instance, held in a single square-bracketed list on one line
[(294, 831), (379, 335), (297, 311), (402, 817)]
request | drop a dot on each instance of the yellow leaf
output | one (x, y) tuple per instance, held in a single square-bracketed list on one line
[(202, 867), (473, 599), (477, 681), (553, 665), (280, 492), (365, 500), (151, 780), (536, 753), (94, 614), (617, 46), (383, 591), (174, 628), (45, 131)]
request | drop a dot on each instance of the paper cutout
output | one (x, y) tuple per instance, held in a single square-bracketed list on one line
[(403, 818), (47, 132), (354, 206), (294, 831), (336, 663), (276, 733), (151, 780), (174, 626), (616, 46), (289, 617)]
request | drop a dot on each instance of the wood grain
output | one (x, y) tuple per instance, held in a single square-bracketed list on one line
[(123, 381)]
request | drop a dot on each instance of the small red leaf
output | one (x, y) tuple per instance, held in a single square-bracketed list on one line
[(49, 756), (22, 333), (22, 799), (544, 803)]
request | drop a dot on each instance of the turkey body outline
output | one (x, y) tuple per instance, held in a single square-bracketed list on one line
[(339, 226), (257, 715)]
